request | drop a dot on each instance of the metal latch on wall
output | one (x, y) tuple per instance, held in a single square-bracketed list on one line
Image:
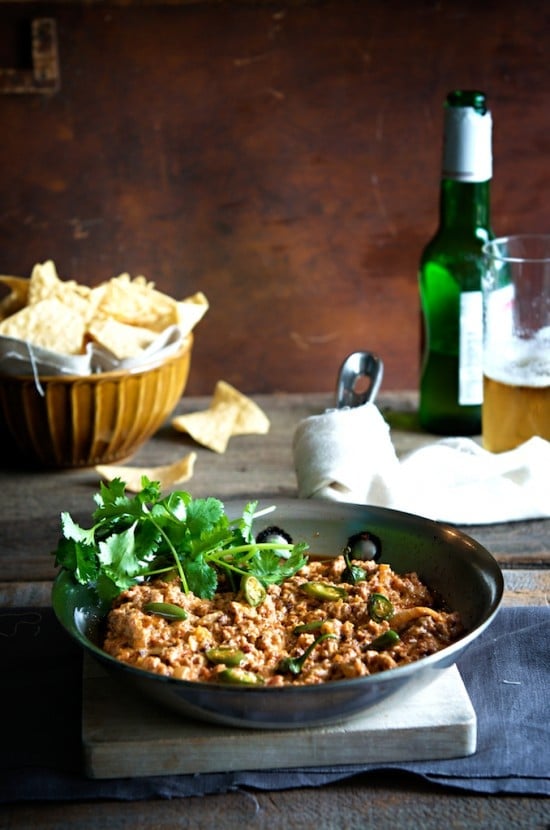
[(43, 78)]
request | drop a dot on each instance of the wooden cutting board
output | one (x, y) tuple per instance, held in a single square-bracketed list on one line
[(125, 735)]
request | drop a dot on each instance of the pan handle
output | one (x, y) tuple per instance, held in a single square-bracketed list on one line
[(355, 367)]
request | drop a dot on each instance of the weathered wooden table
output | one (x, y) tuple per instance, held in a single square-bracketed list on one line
[(259, 467)]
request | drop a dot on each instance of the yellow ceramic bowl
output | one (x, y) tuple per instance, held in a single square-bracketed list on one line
[(80, 421)]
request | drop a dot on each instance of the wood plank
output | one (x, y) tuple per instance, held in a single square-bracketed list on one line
[(384, 801), (125, 736), (253, 467)]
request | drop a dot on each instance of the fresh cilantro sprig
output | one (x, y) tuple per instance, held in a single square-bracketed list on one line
[(134, 537)]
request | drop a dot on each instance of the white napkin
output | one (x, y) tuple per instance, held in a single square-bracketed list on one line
[(20, 357), (347, 455)]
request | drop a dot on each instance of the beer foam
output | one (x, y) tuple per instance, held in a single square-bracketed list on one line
[(522, 363)]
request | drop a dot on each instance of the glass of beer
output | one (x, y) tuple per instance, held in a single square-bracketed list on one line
[(516, 340)]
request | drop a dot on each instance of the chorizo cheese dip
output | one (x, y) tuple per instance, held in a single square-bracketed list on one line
[(313, 627), (195, 595)]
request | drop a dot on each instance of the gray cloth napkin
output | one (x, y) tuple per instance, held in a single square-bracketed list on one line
[(506, 672)]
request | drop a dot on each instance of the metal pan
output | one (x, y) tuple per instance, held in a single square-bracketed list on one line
[(448, 561)]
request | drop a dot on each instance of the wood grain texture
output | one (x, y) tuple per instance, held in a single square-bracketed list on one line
[(387, 801), (283, 159), (254, 466)]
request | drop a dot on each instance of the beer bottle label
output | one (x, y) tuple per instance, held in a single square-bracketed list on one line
[(470, 372)]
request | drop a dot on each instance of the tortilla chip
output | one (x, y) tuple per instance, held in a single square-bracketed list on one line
[(230, 413), (250, 419), (120, 339), (167, 475), (211, 427), (190, 311), (136, 302), (49, 324), (44, 284)]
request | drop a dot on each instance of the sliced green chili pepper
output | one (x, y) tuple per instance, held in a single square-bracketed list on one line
[(240, 677), (314, 625), (352, 573), (166, 610), (253, 590), (294, 665), (386, 640), (380, 607), (225, 654), (323, 590)]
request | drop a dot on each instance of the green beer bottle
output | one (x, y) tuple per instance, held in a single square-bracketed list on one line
[(451, 382)]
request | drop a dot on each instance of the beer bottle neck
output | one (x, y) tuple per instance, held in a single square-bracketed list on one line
[(464, 205)]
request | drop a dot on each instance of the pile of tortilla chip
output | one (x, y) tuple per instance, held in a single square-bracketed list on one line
[(122, 315)]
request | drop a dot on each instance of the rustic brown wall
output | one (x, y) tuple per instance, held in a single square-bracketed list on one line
[(282, 158)]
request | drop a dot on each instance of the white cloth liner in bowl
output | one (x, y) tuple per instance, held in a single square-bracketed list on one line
[(348, 455), (20, 357)]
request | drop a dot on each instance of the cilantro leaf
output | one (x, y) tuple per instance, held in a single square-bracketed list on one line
[(78, 558), (246, 521), (72, 530), (204, 516), (269, 567), (201, 577), (134, 537), (115, 507), (117, 555)]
